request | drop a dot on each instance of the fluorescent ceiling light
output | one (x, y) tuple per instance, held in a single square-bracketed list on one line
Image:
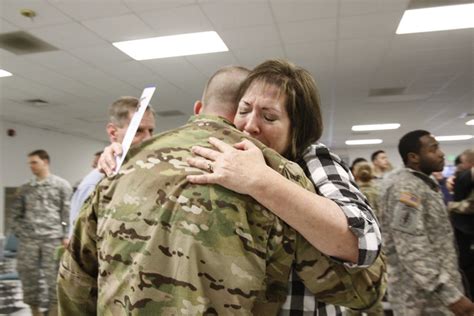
[(363, 142), (172, 46), (452, 138), (471, 122), (433, 19), (375, 127), (4, 73)]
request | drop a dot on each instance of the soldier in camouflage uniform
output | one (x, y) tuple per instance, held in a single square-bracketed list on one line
[(40, 215), (159, 245), (419, 243)]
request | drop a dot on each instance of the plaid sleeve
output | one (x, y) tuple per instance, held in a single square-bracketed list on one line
[(333, 180), (301, 302)]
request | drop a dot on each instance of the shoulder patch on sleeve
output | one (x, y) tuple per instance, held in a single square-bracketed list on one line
[(409, 199), (405, 219)]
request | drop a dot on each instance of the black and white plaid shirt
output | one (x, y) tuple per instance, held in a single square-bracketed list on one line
[(333, 180)]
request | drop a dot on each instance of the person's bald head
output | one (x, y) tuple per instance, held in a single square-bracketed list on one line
[(220, 94)]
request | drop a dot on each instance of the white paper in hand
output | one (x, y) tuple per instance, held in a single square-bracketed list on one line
[(133, 126)]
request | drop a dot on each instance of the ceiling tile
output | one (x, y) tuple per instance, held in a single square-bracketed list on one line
[(46, 14), (264, 35), (173, 69), (6, 27), (98, 55), (362, 7), (148, 5), (120, 28), (369, 26), (59, 61), (235, 14), (301, 10), (67, 36), (253, 55), (357, 57), (31, 88), (17, 89), (313, 30), (316, 57), (393, 75), (133, 72), (80, 10), (208, 64), (164, 22)]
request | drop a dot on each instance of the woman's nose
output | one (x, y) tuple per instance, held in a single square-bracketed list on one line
[(252, 126)]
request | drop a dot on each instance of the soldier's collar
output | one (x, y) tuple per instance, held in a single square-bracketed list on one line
[(206, 117), (34, 181), (427, 179)]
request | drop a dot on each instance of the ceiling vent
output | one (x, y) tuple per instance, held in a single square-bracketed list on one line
[(37, 103), (384, 92), (22, 43), (169, 113)]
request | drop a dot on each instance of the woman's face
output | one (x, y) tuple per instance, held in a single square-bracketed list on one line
[(262, 115)]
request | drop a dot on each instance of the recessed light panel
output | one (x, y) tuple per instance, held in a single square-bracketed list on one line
[(471, 122), (4, 73), (452, 138), (363, 142), (173, 46), (433, 19), (375, 127)]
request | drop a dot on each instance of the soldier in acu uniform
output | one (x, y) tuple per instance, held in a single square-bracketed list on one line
[(40, 215), (422, 263), (149, 242)]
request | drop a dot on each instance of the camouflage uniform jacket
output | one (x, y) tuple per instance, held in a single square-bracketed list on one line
[(41, 209), (419, 244), (148, 242), (371, 192)]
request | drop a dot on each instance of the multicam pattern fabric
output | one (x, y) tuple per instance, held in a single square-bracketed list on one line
[(416, 230), (148, 242)]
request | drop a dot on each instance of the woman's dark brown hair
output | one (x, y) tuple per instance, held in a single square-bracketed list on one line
[(302, 101)]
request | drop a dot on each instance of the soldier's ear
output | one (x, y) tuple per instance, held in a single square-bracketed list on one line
[(112, 132), (197, 107), (413, 158)]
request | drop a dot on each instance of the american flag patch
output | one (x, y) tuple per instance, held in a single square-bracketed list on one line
[(409, 199)]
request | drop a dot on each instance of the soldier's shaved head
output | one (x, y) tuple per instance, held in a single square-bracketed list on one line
[(221, 91)]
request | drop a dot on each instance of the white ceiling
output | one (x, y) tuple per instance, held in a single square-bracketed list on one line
[(350, 46)]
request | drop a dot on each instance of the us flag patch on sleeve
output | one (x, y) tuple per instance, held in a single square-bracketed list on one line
[(409, 199)]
